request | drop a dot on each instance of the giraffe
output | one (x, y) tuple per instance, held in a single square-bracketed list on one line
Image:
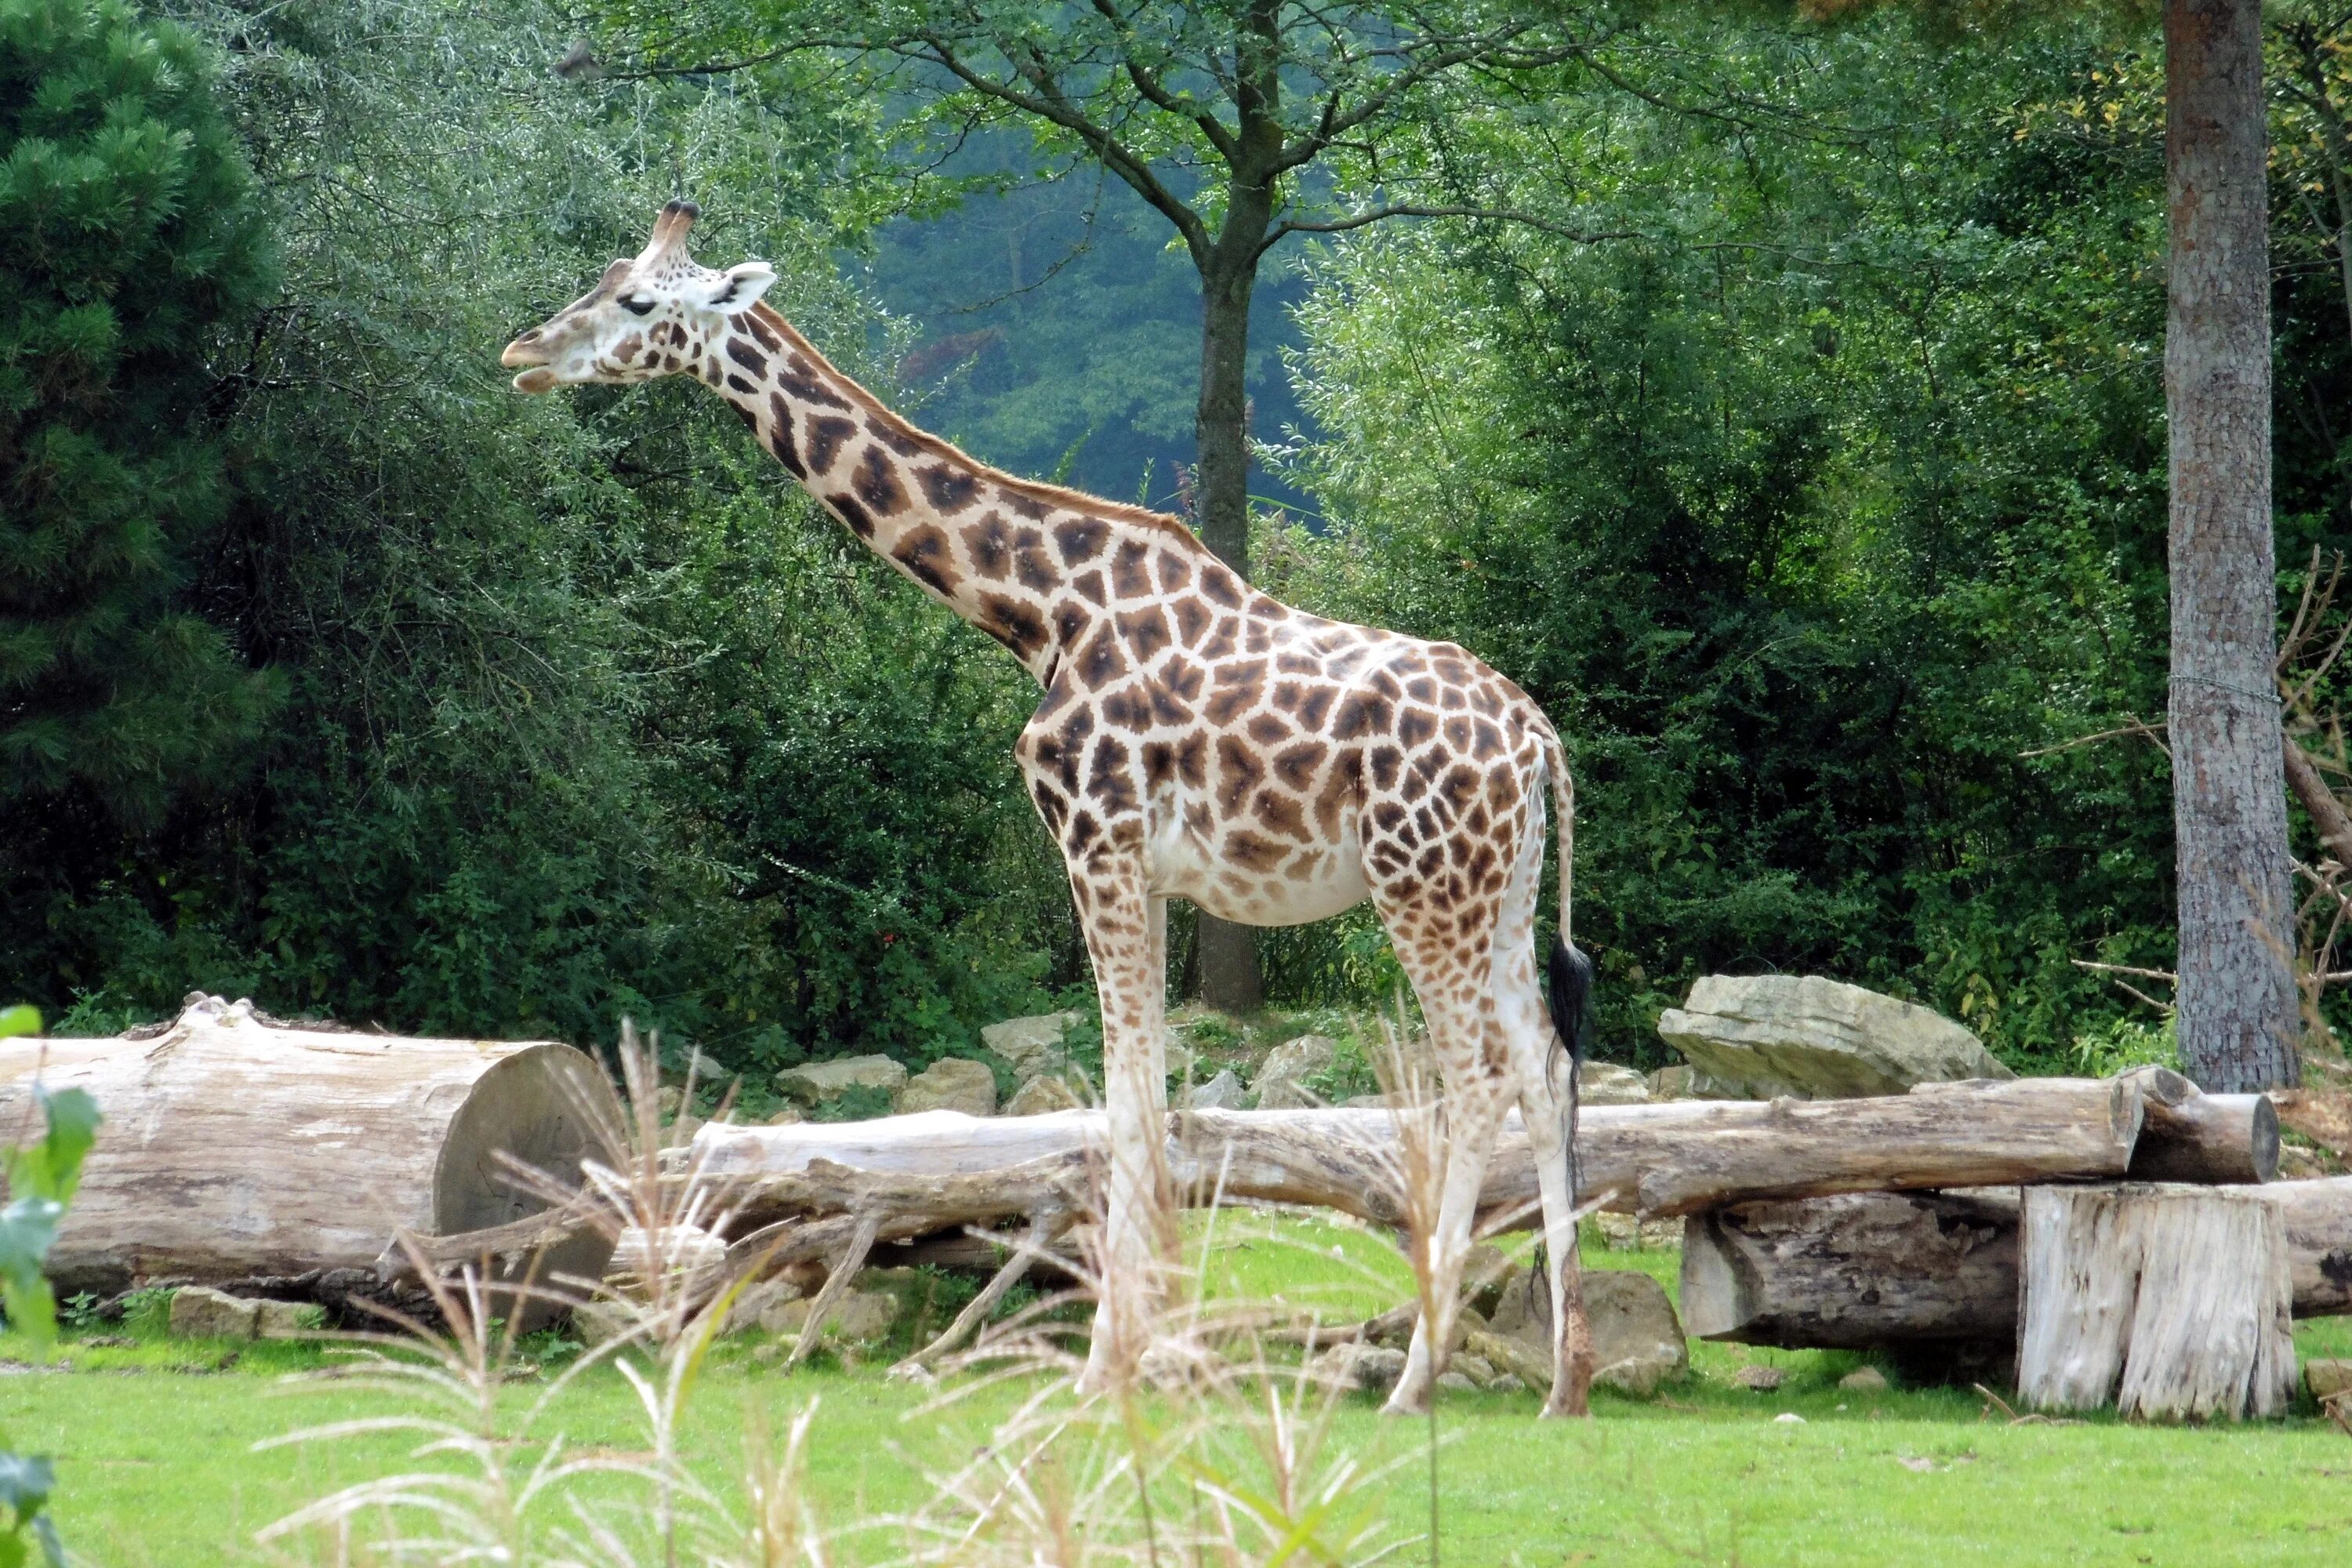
[(1195, 739)]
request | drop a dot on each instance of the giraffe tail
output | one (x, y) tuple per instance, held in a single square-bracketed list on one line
[(1568, 971)]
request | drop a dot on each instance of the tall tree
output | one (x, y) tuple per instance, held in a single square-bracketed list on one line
[(1238, 120), (2237, 999), (130, 243)]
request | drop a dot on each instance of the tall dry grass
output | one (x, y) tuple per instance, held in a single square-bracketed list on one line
[(1223, 1450)]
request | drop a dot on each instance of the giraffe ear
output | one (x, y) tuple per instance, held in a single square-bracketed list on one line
[(739, 286)]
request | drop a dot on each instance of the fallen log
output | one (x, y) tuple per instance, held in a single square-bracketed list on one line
[(238, 1150), (1876, 1270), (1857, 1271), (946, 1169)]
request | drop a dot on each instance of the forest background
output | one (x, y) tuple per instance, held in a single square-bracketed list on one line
[(1821, 508)]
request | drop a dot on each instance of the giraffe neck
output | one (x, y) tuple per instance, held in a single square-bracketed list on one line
[(1035, 567)]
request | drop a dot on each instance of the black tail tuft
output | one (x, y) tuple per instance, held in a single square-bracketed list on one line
[(1568, 978), (1570, 974)]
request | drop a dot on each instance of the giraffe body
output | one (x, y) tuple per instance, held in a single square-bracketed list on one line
[(1196, 738)]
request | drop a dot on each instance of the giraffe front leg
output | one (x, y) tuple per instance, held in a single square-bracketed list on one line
[(1127, 935)]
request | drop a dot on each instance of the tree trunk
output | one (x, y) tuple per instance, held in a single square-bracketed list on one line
[(1228, 953), (2237, 998), (2165, 1300)]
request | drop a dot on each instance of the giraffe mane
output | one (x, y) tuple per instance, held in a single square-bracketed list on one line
[(1057, 496)]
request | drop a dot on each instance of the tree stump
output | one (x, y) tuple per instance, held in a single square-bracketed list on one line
[(2165, 1300)]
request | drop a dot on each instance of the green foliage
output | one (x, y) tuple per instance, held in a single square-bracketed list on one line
[(858, 1102), (1808, 510), (131, 247), (41, 1178), (40, 1182), (588, 711)]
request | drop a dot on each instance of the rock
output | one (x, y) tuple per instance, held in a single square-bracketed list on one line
[(1373, 1369), (1281, 1082), (1867, 1380), (787, 1117), (1510, 1358), (1366, 1103), (1764, 1037), (601, 1323), (1756, 1376), (1606, 1083), (2327, 1377), (1509, 1382), (688, 1252), (668, 1100), (1672, 1083), (287, 1320), (753, 1305), (1222, 1092), (858, 1316), (1623, 1233), (1454, 1383), (2322, 1115), (1029, 1045), (2299, 1165), (950, 1084), (200, 1312), (1040, 1095), (817, 1083), (1477, 1369), (1788, 1418), (1637, 1342)]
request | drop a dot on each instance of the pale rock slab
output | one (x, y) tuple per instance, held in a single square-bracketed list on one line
[(814, 1083), (1222, 1092), (1766, 1036), (1040, 1095), (1637, 1342), (287, 1320), (1606, 1083), (1373, 1369), (2327, 1377), (858, 1316), (200, 1312), (1029, 1045), (1281, 1082), (950, 1084)]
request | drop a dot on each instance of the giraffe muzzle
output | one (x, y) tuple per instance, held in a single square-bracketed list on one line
[(529, 355)]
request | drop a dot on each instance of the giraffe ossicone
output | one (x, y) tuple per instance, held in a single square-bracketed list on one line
[(1196, 738)]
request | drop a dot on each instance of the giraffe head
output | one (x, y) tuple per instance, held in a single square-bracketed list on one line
[(648, 317)]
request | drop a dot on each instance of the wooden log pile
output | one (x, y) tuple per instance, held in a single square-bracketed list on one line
[(1942, 1262), (939, 1170)]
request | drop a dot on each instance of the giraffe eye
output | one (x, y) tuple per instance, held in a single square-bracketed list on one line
[(637, 305)]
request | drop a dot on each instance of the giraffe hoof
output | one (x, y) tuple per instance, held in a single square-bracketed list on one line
[(1400, 1404)]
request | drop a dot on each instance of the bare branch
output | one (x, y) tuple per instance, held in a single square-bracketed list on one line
[(1408, 209)]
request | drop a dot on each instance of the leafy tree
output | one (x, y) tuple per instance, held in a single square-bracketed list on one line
[(132, 248), (1817, 513), (587, 712)]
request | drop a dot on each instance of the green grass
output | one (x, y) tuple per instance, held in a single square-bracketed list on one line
[(154, 1443)]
